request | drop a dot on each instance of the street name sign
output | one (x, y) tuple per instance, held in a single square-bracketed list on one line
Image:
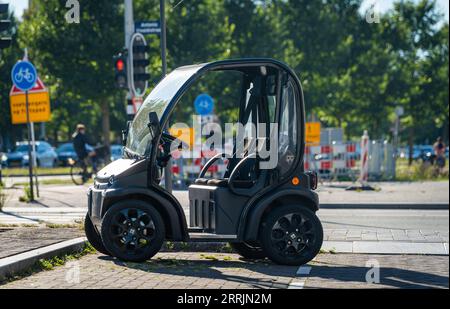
[(148, 27)]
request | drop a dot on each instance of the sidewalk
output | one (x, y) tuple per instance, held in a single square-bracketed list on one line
[(18, 240), (227, 271)]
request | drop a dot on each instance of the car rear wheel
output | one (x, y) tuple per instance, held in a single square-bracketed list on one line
[(249, 250), (291, 235), (93, 236), (133, 230)]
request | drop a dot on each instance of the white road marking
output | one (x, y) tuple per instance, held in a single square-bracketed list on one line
[(299, 283)]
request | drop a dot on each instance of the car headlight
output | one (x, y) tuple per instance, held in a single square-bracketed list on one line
[(111, 180), (4, 158), (26, 157)]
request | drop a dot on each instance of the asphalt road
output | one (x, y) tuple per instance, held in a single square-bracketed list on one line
[(431, 220)]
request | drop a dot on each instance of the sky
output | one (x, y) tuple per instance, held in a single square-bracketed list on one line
[(382, 5)]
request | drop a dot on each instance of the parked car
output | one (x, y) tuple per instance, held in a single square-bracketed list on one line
[(45, 155), (3, 159), (116, 152), (66, 151)]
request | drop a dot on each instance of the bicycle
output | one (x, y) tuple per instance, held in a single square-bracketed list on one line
[(81, 171)]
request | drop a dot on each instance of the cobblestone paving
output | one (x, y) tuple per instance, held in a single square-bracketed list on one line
[(206, 270), (165, 271), (22, 239), (396, 271)]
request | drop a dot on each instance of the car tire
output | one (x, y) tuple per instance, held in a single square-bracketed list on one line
[(132, 230), (249, 250), (291, 235), (93, 236)]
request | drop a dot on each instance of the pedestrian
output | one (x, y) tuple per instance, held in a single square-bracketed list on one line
[(439, 152)]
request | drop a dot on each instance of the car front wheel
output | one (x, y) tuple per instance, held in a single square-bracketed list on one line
[(133, 230)]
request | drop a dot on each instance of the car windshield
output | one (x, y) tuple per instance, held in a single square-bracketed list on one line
[(157, 101), (22, 148)]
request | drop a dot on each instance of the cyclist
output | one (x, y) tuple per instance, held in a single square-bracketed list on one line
[(439, 153), (80, 142)]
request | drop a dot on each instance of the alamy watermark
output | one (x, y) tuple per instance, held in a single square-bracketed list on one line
[(259, 140), (73, 14), (372, 14), (72, 272), (373, 274)]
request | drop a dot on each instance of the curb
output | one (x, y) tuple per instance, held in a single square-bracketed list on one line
[(388, 205), (16, 263)]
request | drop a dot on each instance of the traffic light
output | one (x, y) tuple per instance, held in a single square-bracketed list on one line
[(139, 62), (120, 68), (4, 25)]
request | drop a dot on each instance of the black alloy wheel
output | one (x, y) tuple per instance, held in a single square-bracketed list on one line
[(291, 235), (133, 230)]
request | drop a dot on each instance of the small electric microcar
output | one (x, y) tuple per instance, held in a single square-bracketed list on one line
[(261, 209)]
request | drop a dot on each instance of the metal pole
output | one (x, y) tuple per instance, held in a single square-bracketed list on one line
[(396, 129), (33, 148), (30, 159), (129, 30), (162, 12), (168, 169)]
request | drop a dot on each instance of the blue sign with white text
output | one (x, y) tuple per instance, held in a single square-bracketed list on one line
[(204, 104), (148, 27), (24, 75)]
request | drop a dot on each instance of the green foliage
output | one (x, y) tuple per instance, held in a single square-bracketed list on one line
[(26, 198), (354, 73), (419, 171)]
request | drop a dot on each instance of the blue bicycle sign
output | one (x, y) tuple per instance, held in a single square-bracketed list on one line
[(204, 104), (24, 75)]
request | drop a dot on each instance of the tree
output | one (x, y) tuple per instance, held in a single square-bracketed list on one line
[(77, 56), (8, 57)]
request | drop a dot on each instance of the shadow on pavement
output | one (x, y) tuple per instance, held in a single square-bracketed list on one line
[(390, 277), (258, 274)]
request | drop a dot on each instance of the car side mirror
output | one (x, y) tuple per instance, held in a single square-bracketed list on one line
[(125, 133), (153, 125)]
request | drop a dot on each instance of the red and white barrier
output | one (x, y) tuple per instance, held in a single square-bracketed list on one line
[(328, 160), (364, 176)]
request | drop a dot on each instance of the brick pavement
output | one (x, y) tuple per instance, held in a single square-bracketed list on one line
[(165, 271), (337, 271), (205, 270)]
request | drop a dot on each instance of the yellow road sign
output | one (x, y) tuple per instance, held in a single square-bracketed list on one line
[(312, 133), (38, 105), (184, 134)]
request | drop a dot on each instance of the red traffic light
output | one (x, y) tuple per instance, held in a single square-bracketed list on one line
[(120, 65)]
